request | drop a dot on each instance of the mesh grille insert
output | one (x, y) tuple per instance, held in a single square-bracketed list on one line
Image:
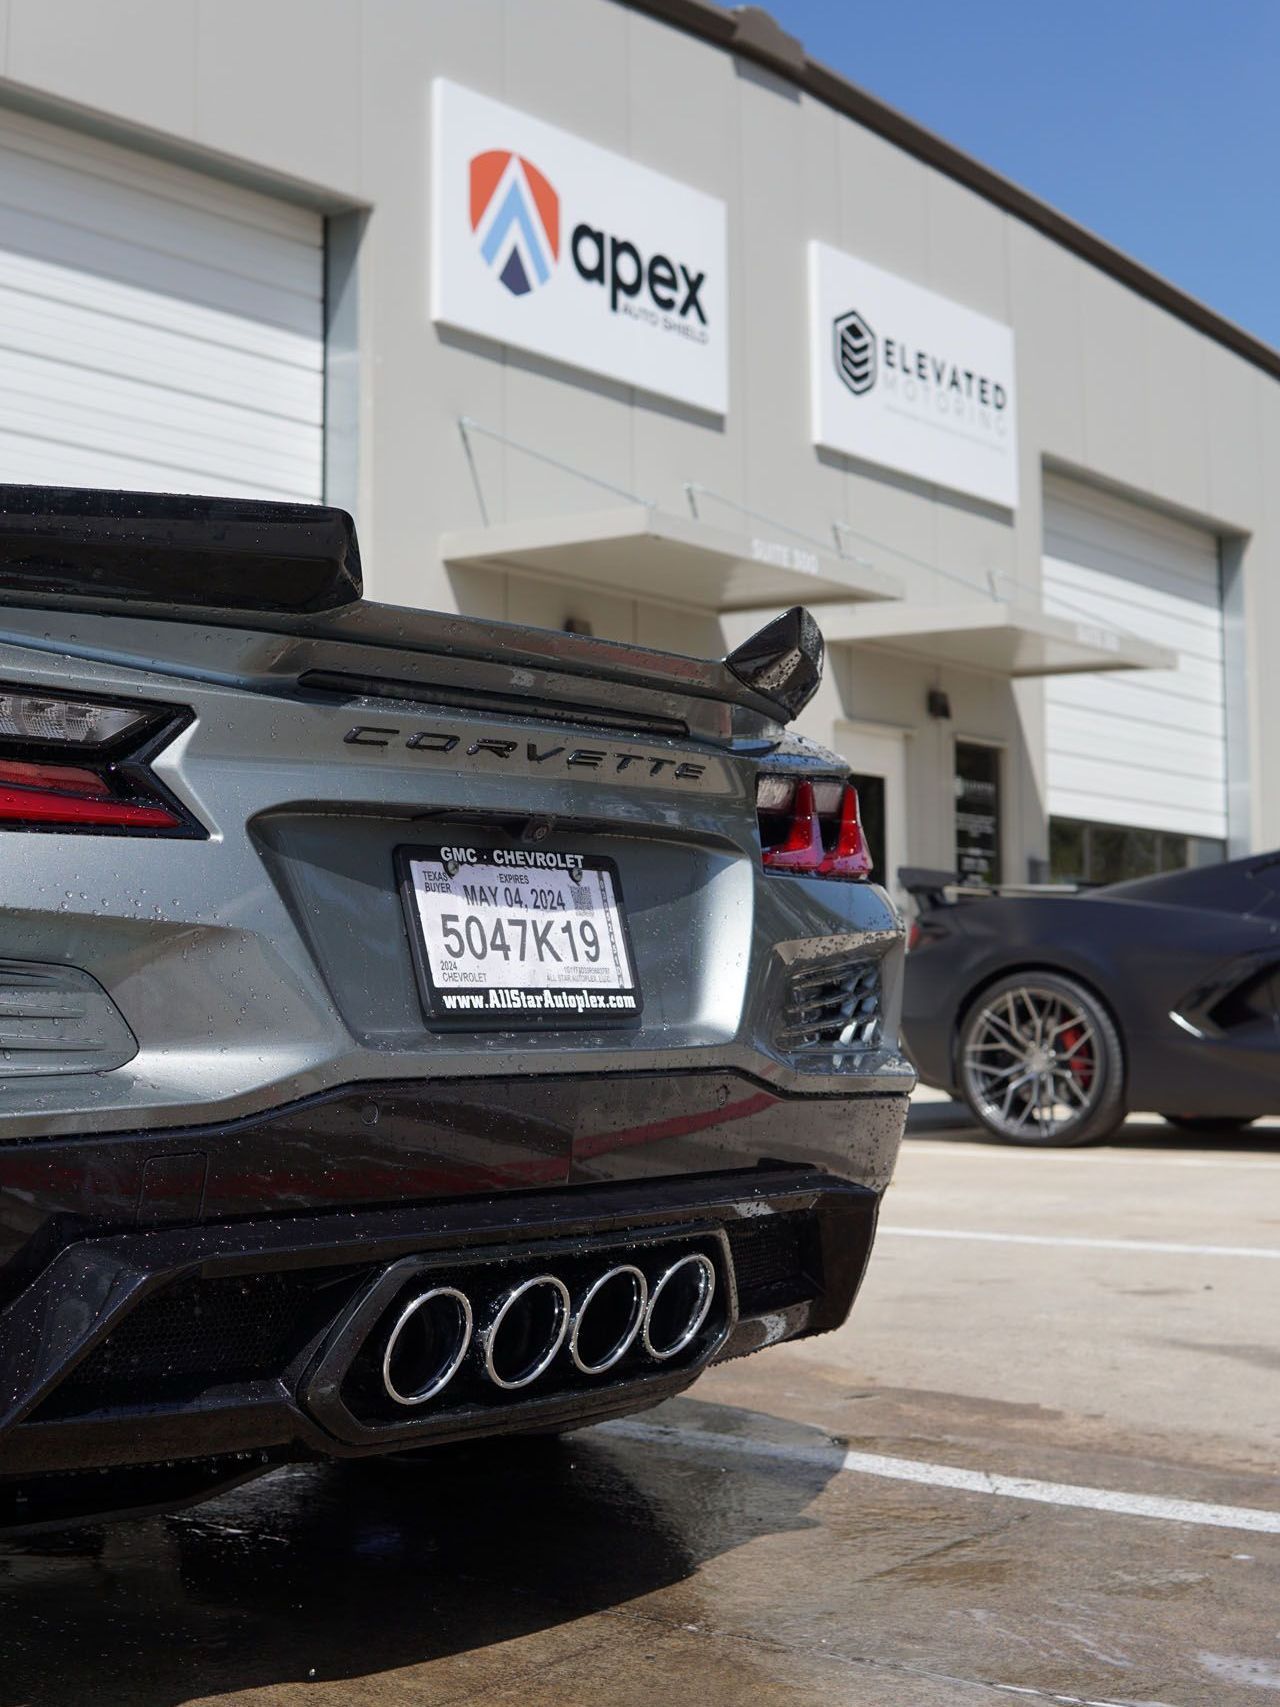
[(775, 1261), (831, 1010), (199, 1334)]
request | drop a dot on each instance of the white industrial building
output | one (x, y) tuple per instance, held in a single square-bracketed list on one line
[(630, 316)]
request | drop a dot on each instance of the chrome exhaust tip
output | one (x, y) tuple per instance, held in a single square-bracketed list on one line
[(526, 1332), (425, 1349), (608, 1319), (678, 1306)]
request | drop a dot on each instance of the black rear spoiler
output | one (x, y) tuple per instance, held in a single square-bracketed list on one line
[(73, 544), (295, 569), (930, 888), (927, 888)]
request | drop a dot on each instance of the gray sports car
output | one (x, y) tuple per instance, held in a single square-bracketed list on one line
[(411, 1027)]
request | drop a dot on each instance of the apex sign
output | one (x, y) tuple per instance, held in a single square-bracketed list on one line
[(550, 244), (908, 379)]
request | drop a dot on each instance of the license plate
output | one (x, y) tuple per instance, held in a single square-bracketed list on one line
[(516, 937)]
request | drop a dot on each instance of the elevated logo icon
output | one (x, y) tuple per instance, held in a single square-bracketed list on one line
[(515, 215), (855, 352)]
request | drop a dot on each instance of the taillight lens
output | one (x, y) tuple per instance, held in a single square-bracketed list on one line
[(73, 764), (801, 847), (47, 719), (812, 828)]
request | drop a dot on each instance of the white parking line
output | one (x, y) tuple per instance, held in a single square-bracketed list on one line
[(951, 1476), (1066, 1240)]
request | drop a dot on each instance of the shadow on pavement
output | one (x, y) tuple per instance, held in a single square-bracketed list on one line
[(1141, 1132), (341, 1572)]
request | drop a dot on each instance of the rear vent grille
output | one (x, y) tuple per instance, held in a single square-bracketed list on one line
[(199, 1334), (832, 1011), (775, 1262), (55, 1019)]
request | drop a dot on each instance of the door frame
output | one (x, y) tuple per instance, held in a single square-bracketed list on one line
[(897, 819), (1001, 746)]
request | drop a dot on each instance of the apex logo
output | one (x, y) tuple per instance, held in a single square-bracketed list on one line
[(855, 352), (621, 269), (515, 214)]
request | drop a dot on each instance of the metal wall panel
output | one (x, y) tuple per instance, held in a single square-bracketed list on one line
[(1145, 748), (160, 328)]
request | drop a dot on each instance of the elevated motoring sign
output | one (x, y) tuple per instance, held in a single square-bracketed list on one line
[(550, 244), (906, 378)]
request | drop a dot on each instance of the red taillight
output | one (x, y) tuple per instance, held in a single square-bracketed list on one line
[(801, 849), (82, 764), (850, 857), (72, 795), (800, 836), (60, 779)]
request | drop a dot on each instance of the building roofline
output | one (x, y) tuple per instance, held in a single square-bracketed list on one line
[(756, 35)]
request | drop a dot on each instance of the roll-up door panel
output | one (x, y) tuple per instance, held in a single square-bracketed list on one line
[(1201, 753), (158, 328), (1145, 748)]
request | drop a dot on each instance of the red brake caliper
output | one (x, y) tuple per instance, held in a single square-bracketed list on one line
[(1081, 1065)]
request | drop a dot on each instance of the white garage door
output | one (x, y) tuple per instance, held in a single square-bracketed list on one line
[(158, 328), (1145, 748)]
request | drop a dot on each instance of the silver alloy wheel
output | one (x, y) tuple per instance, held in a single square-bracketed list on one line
[(1032, 1063)]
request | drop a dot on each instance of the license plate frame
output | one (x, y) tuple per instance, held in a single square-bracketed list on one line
[(517, 1007)]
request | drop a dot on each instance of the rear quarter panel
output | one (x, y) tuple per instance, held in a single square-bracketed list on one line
[(1141, 959)]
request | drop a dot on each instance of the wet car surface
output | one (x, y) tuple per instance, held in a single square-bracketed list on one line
[(721, 1550)]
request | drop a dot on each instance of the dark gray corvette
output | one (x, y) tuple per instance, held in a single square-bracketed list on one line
[(410, 1027), (1055, 1014)]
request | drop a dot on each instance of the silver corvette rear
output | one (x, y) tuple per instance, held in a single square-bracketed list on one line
[(410, 1026)]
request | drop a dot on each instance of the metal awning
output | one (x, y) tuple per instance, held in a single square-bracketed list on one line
[(999, 637), (642, 552)]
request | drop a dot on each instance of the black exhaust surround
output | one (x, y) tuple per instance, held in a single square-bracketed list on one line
[(344, 1389)]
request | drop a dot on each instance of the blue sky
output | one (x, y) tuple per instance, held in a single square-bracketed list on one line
[(1155, 123)]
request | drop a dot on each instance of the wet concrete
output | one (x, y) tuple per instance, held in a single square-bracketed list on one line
[(607, 1568)]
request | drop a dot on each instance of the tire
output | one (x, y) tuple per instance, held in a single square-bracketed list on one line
[(1223, 1124), (1039, 1062)]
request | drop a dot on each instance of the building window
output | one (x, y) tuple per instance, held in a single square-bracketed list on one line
[(1113, 853), (977, 813)]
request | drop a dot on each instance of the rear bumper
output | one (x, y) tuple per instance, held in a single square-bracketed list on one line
[(378, 1145), (229, 1344), (202, 1298)]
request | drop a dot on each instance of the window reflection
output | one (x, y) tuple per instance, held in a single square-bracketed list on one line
[(1113, 853)]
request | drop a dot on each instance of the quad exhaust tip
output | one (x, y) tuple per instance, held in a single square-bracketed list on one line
[(530, 1323), (526, 1332), (426, 1347), (608, 1319), (679, 1305)]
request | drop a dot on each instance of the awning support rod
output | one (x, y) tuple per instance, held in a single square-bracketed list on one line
[(692, 490), (1016, 593), (467, 426)]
